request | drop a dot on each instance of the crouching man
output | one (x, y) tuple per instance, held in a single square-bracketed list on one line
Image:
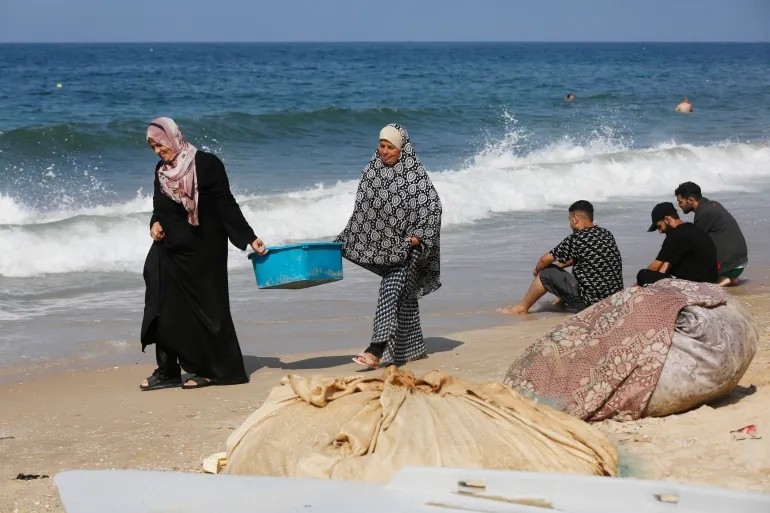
[(687, 252)]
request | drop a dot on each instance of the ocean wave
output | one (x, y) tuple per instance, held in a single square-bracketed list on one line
[(499, 179), (235, 126), (74, 137)]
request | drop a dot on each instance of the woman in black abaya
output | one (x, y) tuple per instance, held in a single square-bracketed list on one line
[(187, 305)]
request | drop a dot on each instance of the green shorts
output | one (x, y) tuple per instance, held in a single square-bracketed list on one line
[(734, 272)]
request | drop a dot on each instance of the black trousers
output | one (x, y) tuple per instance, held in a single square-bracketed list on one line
[(168, 362), (648, 276)]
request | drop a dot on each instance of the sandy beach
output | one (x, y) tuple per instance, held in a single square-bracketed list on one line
[(99, 419)]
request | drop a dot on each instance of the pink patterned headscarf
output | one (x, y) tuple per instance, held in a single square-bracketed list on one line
[(178, 178)]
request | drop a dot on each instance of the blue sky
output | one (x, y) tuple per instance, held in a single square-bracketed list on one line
[(383, 20)]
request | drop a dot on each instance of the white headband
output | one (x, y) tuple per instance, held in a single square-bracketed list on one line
[(392, 135)]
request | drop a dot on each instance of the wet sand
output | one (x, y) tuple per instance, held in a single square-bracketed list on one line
[(99, 419)]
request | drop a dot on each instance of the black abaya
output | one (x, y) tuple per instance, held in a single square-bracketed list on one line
[(187, 304)]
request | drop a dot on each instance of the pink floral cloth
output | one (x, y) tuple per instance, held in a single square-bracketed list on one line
[(178, 178), (605, 361)]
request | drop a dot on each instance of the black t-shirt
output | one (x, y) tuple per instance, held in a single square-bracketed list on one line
[(691, 254)]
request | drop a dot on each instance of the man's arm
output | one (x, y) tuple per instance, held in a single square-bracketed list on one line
[(544, 262), (562, 255), (659, 266), (672, 251)]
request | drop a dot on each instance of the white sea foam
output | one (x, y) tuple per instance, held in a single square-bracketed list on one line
[(499, 179), (12, 212)]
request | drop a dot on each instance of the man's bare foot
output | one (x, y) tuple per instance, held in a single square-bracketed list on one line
[(515, 309)]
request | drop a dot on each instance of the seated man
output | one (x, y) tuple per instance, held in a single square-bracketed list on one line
[(687, 252), (597, 271), (721, 226)]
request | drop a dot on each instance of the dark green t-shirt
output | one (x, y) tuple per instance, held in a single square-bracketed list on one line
[(721, 226)]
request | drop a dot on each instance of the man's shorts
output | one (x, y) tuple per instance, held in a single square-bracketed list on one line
[(562, 284), (734, 272)]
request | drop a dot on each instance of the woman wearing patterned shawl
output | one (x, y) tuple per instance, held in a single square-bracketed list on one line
[(187, 304), (395, 232)]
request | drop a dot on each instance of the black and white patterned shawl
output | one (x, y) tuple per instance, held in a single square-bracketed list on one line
[(393, 204)]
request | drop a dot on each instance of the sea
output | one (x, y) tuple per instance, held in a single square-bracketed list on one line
[(295, 123)]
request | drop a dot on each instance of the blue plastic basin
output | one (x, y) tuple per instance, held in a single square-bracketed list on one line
[(298, 266)]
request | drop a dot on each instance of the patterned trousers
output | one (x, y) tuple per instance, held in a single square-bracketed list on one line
[(397, 335)]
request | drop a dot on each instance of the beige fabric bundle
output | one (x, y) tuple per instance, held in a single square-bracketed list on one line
[(367, 428), (710, 351)]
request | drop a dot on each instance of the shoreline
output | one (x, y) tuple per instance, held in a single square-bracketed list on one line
[(99, 419), (69, 327), (434, 320), (25, 370)]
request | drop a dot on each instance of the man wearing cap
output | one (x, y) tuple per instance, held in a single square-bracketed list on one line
[(721, 226), (687, 252)]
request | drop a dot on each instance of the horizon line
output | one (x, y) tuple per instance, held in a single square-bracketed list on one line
[(468, 41)]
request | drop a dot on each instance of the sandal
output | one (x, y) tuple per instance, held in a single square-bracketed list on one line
[(367, 360), (158, 380), (198, 382)]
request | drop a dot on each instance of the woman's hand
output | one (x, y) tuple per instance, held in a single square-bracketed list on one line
[(414, 241), (156, 232), (258, 246)]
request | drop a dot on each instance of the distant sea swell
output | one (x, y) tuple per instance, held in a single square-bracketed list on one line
[(236, 127)]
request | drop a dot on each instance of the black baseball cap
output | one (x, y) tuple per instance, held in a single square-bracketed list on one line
[(660, 211)]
